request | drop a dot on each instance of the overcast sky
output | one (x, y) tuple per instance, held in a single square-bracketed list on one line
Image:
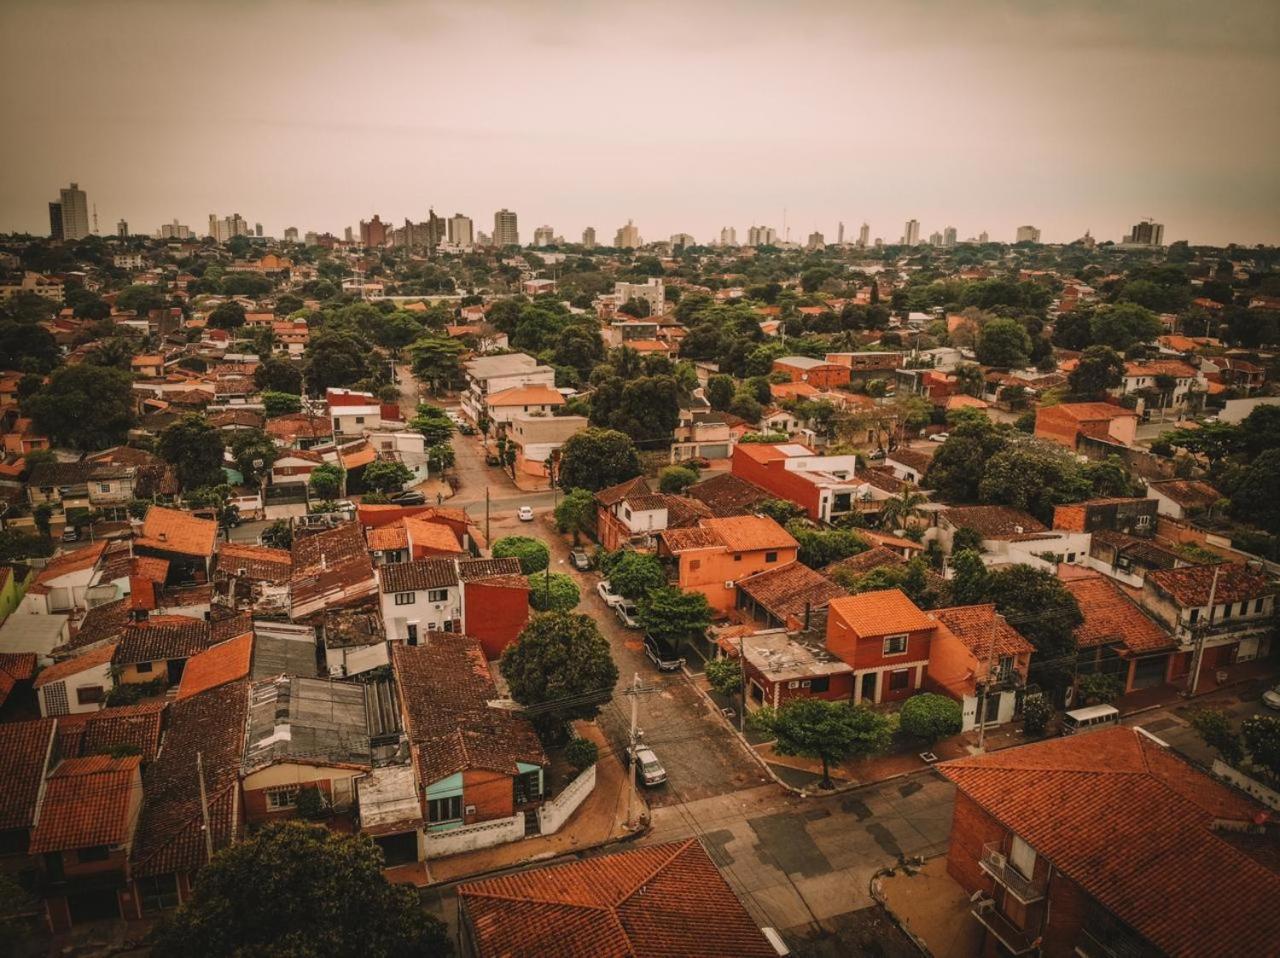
[(684, 116)]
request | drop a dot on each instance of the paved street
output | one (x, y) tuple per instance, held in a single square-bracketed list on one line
[(1172, 723)]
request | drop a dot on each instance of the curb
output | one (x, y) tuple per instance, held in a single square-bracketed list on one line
[(878, 897)]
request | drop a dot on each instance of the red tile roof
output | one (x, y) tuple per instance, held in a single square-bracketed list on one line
[(750, 533), (87, 802), (99, 655), (1188, 493), (994, 522), (171, 530), (160, 638), (790, 590), (258, 562), (75, 561), (537, 395), (222, 663), (972, 625), (1111, 616), (90, 733), (1190, 585), (885, 612), (24, 748), (1132, 825), (664, 900)]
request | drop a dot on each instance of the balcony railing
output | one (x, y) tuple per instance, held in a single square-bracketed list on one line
[(1243, 625), (1010, 935), (996, 864)]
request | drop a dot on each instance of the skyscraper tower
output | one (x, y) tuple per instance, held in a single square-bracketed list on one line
[(840, 235), (589, 237), (461, 232), (911, 233), (74, 213), (505, 230), (55, 222), (864, 236), (122, 229)]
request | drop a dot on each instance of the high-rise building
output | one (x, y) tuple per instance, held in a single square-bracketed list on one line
[(544, 236), (589, 237), (816, 241), (373, 232), (505, 230), (227, 227), (75, 213), (55, 222), (311, 238), (461, 231), (983, 237), (291, 234), (935, 238), (1146, 233), (174, 230), (1027, 234), (435, 229), (348, 234), (257, 229), (911, 233), (483, 238), (681, 240), (864, 235), (762, 236), (949, 236), (627, 237), (122, 229), (728, 236)]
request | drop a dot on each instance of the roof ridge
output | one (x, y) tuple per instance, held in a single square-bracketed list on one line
[(680, 849)]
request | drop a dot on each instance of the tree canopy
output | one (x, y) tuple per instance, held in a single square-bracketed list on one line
[(594, 459), (85, 406), (533, 554), (560, 666), (195, 449), (828, 731)]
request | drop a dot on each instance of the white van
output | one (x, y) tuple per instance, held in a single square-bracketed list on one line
[(1089, 719)]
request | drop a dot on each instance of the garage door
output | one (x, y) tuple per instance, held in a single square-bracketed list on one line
[(1149, 672)]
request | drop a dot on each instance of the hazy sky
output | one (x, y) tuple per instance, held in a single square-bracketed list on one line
[(684, 116)]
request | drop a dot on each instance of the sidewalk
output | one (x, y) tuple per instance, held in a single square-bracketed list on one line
[(933, 909), (600, 820)]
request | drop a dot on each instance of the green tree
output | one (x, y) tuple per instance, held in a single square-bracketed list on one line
[(27, 346), (1003, 342), (278, 535), (827, 731), (636, 574), (1034, 475), (720, 390), (1100, 687), (1036, 712), (386, 475), (228, 315), (278, 375), (533, 554), (338, 903), (85, 406), (437, 361), (1099, 368), (280, 404), (434, 424), (254, 452), (561, 667), (576, 513), (899, 510), (969, 578), (676, 479), (335, 359), (140, 299), (195, 449), (724, 675), (326, 480), (1037, 604), (929, 717), (597, 458), (441, 457), (821, 547), (1122, 325), (956, 470), (1215, 730), (554, 592), (1253, 496), (1261, 734), (673, 616), (581, 753)]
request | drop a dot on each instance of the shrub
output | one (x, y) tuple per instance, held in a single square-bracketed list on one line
[(1100, 687), (930, 716), (553, 593), (1036, 713), (131, 693), (311, 804), (674, 480), (534, 556), (581, 753), (724, 675), (1214, 727)]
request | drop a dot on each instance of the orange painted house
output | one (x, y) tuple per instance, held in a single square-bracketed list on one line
[(886, 639), (711, 557)]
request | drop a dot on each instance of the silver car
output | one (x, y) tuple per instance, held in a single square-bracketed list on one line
[(627, 613), (1271, 698), (611, 598), (648, 769)]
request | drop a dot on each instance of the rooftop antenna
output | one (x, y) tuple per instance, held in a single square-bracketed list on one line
[(786, 230)]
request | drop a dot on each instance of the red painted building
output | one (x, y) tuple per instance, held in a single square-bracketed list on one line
[(815, 372), (886, 639), (823, 486)]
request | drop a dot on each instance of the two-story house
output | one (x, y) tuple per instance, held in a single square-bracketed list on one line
[(1117, 637), (537, 399), (493, 374), (1072, 423), (714, 555), (981, 660), (1222, 614), (418, 597), (886, 638), (1010, 536), (1081, 845), (824, 486)]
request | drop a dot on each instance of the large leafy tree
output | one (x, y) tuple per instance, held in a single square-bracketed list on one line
[(929, 716), (195, 450), (85, 406), (140, 299), (254, 452), (335, 359), (576, 513), (326, 480), (646, 408), (1033, 475), (434, 424), (956, 470), (27, 346), (1099, 368), (596, 458), (674, 616), (1037, 604), (437, 361), (1122, 325), (1253, 496), (827, 731), (820, 547), (275, 374), (294, 890), (386, 475), (280, 404), (533, 554), (229, 315), (560, 668), (636, 574), (1003, 342), (554, 592)]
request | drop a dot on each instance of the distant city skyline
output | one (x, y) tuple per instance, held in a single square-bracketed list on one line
[(999, 114)]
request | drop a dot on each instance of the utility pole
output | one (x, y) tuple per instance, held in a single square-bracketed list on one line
[(986, 682), (633, 738), (1201, 636), (742, 687), (486, 514), (204, 809)]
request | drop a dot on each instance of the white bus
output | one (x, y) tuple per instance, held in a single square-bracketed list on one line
[(1089, 719)]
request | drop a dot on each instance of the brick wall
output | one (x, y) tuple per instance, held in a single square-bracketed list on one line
[(971, 828), (496, 615), (491, 793), (774, 477), (1067, 904)]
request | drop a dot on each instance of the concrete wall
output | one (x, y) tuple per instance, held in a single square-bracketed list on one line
[(555, 812), (469, 838)]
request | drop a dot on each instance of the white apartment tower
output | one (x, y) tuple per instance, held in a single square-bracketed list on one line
[(864, 235), (911, 233), (461, 230), (1027, 234), (949, 236), (728, 236), (544, 236), (505, 231), (762, 236), (627, 237), (589, 237), (75, 213)]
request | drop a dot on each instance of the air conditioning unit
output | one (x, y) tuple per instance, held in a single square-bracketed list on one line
[(728, 583), (805, 684), (998, 860), (793, 684)]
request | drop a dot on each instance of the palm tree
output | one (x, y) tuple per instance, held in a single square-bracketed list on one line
[(970, 379), (898, 511)]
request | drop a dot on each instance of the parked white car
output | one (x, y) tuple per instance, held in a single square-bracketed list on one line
[(525, 513), (627, 612), (648, 769), (1271, 698), (610, 597)]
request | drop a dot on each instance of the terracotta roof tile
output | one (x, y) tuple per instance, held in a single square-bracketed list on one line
[(418, 576), (750, 533), (259, 563), (1188, 493), (790, 590), (160, 638), (87, 802), (473, 570), (664, 900), (612, 495), (388, 538), (1190, 585), (994, 522), (1132, 825), (95, 657), (171, 530), (729, 495), (884, 612), (217, 665), (538, 395), (24, 748), (1110, 616), (89, 733), (972, 625)]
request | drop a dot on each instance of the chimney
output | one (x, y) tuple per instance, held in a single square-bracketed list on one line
[(163, 537)]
